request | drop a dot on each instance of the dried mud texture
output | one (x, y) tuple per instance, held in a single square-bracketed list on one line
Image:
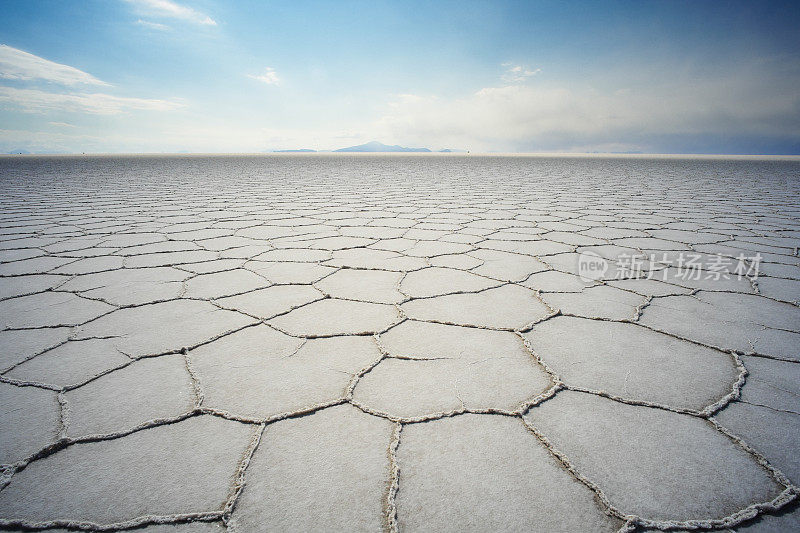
[(397, 343)]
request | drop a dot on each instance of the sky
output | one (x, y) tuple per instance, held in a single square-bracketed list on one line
[(532, 76)]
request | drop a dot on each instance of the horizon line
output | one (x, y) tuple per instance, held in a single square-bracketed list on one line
[(626, 155)]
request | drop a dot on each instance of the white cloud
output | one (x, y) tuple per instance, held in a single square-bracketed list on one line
[(269, 76), (153, 25), (518, 73), (575, 116), (36, 101), (19, 65), (169, 9), (62, 124)]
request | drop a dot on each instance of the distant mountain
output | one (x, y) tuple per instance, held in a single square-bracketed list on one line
[(302, 150), (454, 151), (621, 153), (375, 146)]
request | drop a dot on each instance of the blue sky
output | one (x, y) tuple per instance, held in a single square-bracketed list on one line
[(252, 76)]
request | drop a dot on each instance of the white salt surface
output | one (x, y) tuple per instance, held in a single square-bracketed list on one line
[(357, 343)]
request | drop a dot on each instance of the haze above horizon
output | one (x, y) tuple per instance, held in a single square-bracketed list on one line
[(143, 76)]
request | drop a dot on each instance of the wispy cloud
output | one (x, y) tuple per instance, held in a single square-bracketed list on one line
[(62, 124), (269, 76), (153, 25), (42, 141), (518, 73), (22, 66), (17, 64), (169, 9), (37, 101)]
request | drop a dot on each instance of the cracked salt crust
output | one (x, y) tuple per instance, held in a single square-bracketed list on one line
[(353, 344)]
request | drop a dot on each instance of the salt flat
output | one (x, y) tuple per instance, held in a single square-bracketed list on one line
[(414, 343)]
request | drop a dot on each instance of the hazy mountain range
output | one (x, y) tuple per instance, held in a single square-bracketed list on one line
[(375, 146)]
